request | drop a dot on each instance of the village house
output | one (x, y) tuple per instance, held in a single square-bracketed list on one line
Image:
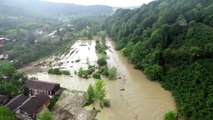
[(3, 41), (48, 88), (33, 106), (3, 99), (27, 108), (16, 102)]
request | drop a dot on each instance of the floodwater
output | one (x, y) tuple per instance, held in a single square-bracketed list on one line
[(82, 51), (132, 96)]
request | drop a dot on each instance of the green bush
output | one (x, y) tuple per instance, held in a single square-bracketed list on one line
[(65, 72), (53, 102), (55, 71), (96, 75), (153, 72), (112, 73), (83, 73), (171, 115), (104, 70), (101, 62), (106, 103), (91, 69)]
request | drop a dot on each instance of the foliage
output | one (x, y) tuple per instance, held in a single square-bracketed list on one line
[(96, 93), (104, 71), (65, 72), (100, 92), (90, 96), (85, 73), (171, 41), (106, 103), (6, 114), (57, 71), (154, 72), (12, 82), (112, 73), (45, 115), (53, 101), (171, 115), (101, 62), (96, 75)]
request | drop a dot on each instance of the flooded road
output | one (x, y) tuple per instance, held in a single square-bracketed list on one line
[(132, 96)]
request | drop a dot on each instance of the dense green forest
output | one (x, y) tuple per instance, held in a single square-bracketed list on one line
[(172, 42)]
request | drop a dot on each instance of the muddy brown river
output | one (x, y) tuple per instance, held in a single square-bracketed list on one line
[(132, 96)]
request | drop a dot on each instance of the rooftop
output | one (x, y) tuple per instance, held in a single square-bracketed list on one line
[(3, 99), (34, 104), (41, 85), (16, 102)]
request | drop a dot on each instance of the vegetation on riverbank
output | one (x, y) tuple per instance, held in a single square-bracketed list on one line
[(86, 73), (57, 71), (97, 94), (100, 47), (171, 41), (45, 115), (171, 115)]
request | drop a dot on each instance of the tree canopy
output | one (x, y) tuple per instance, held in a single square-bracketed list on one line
[(172, 42), (6, 114)]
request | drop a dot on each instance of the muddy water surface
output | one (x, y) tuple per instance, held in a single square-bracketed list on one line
[(132, 96)]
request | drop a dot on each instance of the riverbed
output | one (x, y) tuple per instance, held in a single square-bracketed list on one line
[(132, 96)]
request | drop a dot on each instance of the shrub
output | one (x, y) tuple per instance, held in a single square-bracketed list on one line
[(96, 75), (65, 72), (101, 62), (154, 72), (83, 73), (171, 115), (55, 71), (112, 73), (53, 102), (104, 70), (91, 69), (106, 103)]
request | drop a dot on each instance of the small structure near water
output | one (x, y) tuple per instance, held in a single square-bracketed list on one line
[(36, 86), (26, 108)]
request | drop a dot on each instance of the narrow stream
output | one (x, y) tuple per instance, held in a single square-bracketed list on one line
[(132, 96)]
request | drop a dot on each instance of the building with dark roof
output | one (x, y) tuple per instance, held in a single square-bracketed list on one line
[(4, 99), (16, 102), (33, 106), (48, 88)]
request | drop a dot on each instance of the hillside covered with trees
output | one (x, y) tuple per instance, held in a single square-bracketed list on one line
[(172, 42)]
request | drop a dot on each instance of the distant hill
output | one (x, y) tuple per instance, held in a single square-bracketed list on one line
[(41, 8)]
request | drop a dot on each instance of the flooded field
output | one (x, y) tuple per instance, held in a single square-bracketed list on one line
[(132, 96)]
